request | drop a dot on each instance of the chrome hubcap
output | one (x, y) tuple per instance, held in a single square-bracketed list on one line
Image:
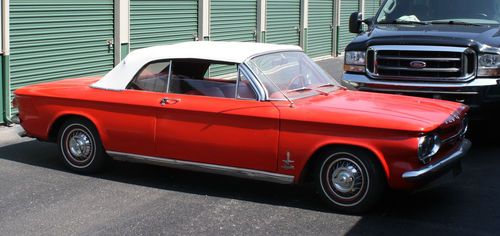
[(346, 178), (79, 145)]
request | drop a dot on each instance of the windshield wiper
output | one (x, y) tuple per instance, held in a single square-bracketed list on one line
[(326, 85), (452, 22), (402, 22), (302, 89)]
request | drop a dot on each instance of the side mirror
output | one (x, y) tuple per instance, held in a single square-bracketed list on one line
[(355, 23)]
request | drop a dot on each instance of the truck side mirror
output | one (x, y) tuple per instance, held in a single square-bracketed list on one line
[(355, 22)]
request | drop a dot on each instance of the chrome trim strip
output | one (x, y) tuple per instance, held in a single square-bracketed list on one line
[(460, 133), (419, 91), (418, 58), (257, 87), (439, 166), (363, 79), (202, 167), (418, 48), (451, 70)]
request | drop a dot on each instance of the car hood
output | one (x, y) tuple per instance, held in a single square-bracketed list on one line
[(375, 110), (477, 37)]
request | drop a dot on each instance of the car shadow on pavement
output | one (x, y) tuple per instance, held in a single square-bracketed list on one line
[(45, 155), (467, 204)]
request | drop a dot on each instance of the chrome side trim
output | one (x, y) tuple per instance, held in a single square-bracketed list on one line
[(202, 167), (439, 166)]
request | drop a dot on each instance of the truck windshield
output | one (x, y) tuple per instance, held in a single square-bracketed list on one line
[(440, 11)]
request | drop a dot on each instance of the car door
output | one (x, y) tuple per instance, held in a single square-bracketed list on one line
[(202, 119), (129, 117)]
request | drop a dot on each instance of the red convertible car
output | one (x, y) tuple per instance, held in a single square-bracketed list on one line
[(250, 110)]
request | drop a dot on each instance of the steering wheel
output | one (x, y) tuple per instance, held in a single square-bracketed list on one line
[(295, 79)]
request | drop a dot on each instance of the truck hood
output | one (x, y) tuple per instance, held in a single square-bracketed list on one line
[(375, 110), (476, 37)]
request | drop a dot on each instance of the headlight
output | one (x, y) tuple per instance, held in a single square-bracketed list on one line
[(355, 58), (428, 146), (355, 61), (489, 65)]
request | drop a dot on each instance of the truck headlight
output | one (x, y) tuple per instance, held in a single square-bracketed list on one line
[(355, 61), (489, 65), (428, 146)]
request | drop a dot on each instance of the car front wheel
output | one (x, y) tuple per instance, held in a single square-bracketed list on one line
[(349, 180), (80, 146)]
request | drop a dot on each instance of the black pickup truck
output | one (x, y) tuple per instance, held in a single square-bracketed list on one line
[(444, 49)]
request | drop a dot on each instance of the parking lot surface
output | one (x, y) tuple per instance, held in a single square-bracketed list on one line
[(38, 196)]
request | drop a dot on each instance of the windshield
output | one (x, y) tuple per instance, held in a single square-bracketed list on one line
[(291, 73), (436, 11)]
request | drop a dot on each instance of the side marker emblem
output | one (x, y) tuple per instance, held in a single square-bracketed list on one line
[(288, 162)]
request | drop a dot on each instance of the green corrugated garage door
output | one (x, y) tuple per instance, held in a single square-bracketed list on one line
[(56, 39), (233, 20), (283, 21), (158, 22), (347, 7), (371, 8), (320, 31)]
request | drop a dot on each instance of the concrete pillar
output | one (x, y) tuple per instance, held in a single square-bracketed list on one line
[(122, 29), (203, 20), (261, 20), (304, 23)]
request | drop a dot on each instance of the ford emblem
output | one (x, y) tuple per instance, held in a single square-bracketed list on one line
[(418, 64)]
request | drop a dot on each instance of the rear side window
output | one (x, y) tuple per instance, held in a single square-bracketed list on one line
[(153, 77), (208, 78)]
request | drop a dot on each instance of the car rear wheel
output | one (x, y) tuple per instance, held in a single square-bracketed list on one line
[(80, 146), (349, 180)]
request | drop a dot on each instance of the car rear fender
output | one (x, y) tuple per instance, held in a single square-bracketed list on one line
[(61, 117)]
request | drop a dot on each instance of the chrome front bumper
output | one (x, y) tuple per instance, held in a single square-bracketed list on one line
[(474, 87), (441, 166)]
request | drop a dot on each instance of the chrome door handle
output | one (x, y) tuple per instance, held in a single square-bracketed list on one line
[(165, 101)]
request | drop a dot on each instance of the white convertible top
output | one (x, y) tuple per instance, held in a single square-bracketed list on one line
[(234, 52)]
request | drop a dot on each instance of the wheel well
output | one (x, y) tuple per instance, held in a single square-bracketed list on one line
[(56, 126), (307, 173)]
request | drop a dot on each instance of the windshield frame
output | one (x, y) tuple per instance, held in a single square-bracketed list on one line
[(313, 92), (376, 21)]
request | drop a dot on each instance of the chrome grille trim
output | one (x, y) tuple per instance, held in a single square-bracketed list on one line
[(448, 64)]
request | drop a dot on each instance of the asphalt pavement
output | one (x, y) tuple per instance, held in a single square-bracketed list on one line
[(38, 196)]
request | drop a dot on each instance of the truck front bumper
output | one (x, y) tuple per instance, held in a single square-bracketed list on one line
[(476, 93)]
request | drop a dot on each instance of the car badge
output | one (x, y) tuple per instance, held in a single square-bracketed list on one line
[(288, 162), (418, 64)]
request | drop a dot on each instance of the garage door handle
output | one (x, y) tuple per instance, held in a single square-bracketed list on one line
[(165, 101)]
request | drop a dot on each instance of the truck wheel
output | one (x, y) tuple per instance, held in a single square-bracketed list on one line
[(349, 180), (80, 146)]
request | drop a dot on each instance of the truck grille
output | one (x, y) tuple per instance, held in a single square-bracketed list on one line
[(421, 63)]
